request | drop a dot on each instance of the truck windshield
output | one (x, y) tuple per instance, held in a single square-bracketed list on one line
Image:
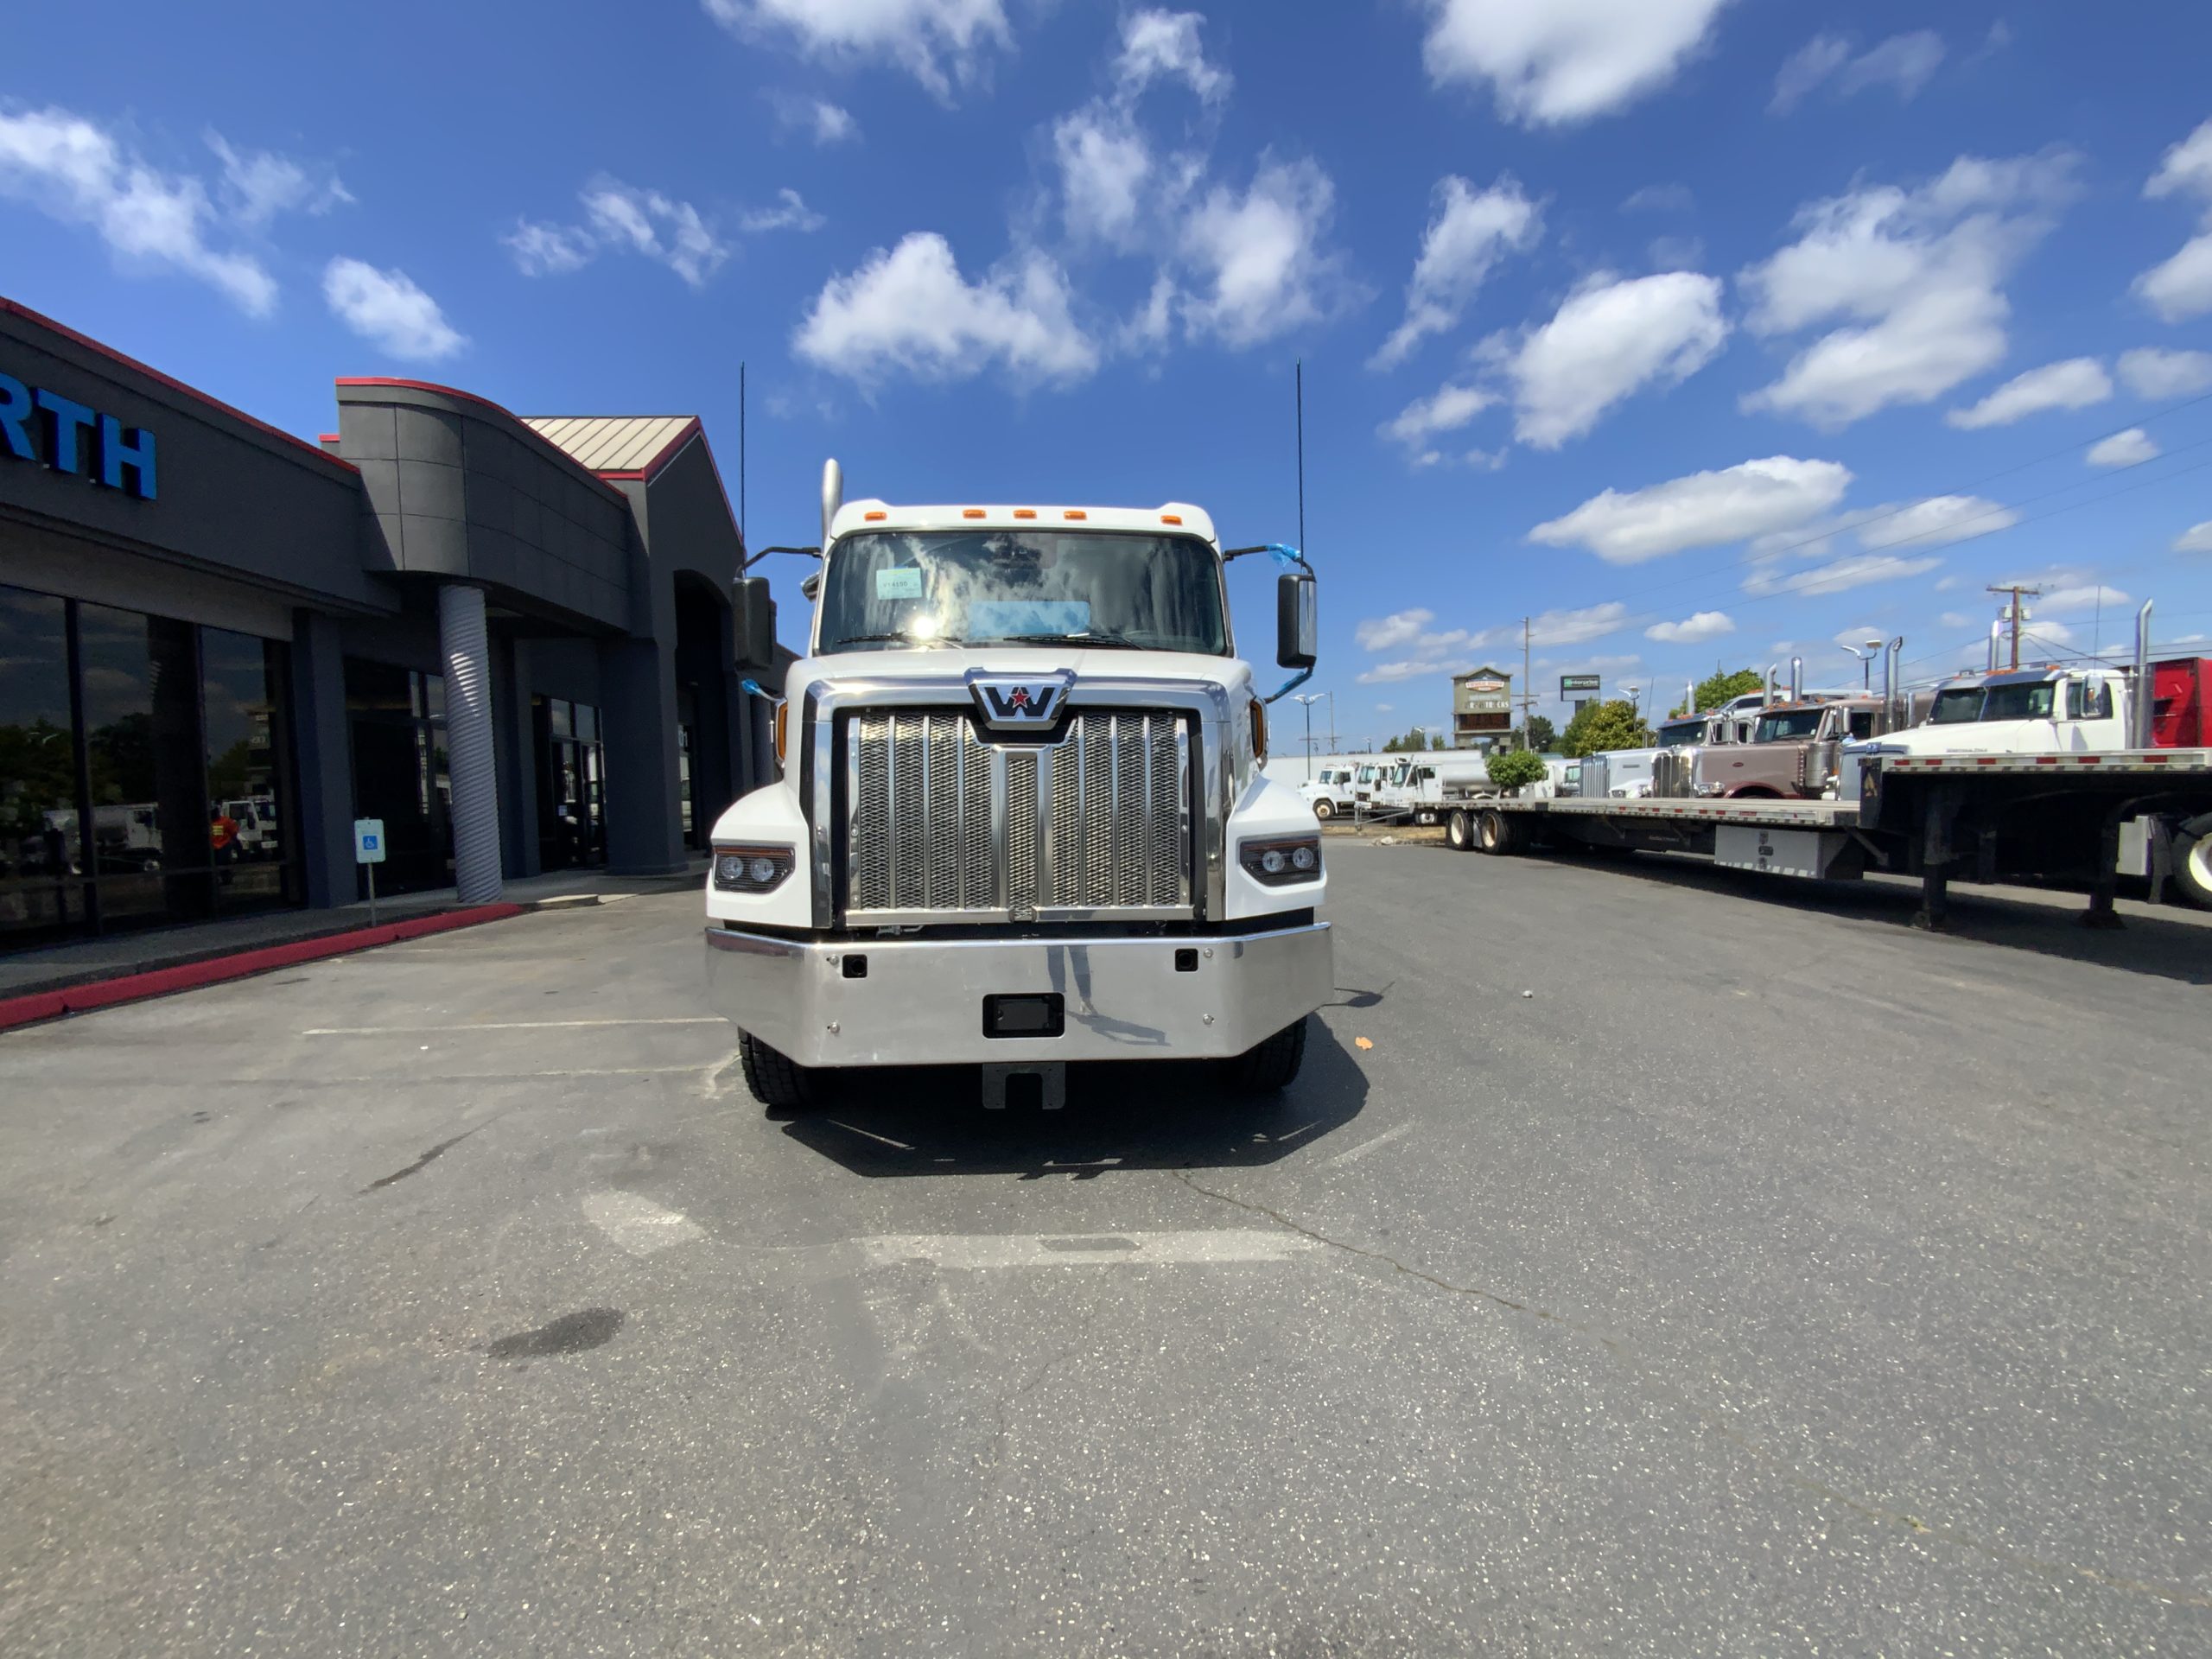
[(1955, 706), (884, 590), (1790, 723), (2032, 702), (1680, 733)]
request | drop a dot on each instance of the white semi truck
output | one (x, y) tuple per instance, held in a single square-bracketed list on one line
[(1022, 819)]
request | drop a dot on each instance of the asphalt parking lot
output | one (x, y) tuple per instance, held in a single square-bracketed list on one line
[(1646, 1262)]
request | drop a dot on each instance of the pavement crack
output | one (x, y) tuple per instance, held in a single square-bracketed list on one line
[(426, 1160), (1902, 1520)]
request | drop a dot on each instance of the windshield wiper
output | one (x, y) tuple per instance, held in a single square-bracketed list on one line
[(896, 637), (1103, 641)]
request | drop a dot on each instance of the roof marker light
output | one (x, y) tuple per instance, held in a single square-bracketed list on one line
[(971, 512), (873, 515), (1075, 512), (1171, 517)]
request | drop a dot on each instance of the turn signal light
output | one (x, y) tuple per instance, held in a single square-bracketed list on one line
[(1259, 733), (781, 725)]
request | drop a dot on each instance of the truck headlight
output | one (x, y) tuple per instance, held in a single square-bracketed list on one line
[(1279, 862), (752, 869)]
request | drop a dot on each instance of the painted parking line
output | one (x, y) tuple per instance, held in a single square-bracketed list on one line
[(1082, 1249), (638, 1224), (509, 1025), (1370, 1144)]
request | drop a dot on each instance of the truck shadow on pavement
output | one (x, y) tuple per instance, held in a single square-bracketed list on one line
[(1119, 1116), (2177, 949)]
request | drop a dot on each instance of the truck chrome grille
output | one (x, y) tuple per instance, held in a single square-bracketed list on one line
[(940, 822)]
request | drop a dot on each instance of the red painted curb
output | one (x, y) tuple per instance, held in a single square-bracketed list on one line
[(160, 982)]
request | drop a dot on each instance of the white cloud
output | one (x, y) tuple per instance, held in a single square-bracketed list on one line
[(1911, 275), (2151, 373), (1557, 62), (2075, 384), (1755, 497), (658, 227), (1956, 619), (2051, 633), (1567, 627), (790, 212), (941, 43), (1468, 233), (1104, 164), (1609, 340), (1258, 255), (1399, 628), (387, 309), (1385, 708), (73, 170), (1857, 570), (908, 308), (1164, 46), (2197, 538), (2077, 597), (1447, 410), (2181, 287), (1938, 521), (2129, 448), (259, 184), (1904, 63), (817, 118), (1411, 668), (542, 250), (1692, 630), (1661, 198)]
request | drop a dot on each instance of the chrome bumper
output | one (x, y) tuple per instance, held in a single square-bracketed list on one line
[(922, 1001)]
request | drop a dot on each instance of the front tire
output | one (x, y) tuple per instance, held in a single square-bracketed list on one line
[(1460, 830), (1324, 810), (2192, 853), (785, 1088), (1268, 1068)]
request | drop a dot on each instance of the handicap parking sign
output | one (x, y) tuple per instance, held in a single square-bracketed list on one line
[(368, 841)]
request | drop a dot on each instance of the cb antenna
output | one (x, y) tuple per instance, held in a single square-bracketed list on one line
[(1299, 397)]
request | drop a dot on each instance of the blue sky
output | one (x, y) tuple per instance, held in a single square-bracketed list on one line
[(1699, 330)]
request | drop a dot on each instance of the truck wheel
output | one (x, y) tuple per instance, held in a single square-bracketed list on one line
[(1268, 1068), (2192, 848), (1459, 831), (1495, 833), (1323, 811), (784, 1088)]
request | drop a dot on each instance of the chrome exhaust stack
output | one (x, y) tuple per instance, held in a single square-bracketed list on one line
[(1996, 632), (1796, 679), (833, 496), (2141, 707), (1772, 669)]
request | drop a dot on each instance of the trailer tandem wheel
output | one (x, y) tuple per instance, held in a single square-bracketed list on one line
[(2192, 851), (1460, 830), (1495, 833)]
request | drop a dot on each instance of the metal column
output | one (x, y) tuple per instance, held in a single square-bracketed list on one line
[(472, 760)]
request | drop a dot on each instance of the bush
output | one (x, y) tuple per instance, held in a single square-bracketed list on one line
[(1514, 767), (1597, 727)]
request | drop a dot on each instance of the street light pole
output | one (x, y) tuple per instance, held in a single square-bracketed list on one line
[(1308, 701)]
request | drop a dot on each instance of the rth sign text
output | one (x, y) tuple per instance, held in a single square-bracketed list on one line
[(36, 424)]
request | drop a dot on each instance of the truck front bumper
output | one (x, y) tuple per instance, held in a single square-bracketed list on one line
[(921, 1002)]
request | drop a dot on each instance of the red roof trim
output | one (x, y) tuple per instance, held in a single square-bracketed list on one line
[(326, 437), (14, 309), (521, 425)]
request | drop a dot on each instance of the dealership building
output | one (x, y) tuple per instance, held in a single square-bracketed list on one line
[(508, 639)]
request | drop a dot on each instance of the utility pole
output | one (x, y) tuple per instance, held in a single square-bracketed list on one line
[(2019, 590), (1527, 687)]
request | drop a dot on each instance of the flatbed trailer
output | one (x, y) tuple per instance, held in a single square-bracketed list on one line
[(1970, 817)]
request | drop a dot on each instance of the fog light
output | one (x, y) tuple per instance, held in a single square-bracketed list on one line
[(1273, 861), (1281, 861), (1303, 858), (752, 869), (762, 870)]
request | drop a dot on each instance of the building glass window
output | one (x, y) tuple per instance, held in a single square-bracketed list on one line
[(242, 680), (41, 890), (126, 742), (396, 716), (571, 789)]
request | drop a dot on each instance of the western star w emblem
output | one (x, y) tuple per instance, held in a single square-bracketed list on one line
[(1006, 704)]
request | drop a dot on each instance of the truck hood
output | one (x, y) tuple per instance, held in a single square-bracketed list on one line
[(1231, 674), (1967, 737)]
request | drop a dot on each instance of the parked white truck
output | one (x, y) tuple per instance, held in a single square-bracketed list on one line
[(1022, 819)]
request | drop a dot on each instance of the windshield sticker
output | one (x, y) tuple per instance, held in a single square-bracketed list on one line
[(902, 581), (994, 618)]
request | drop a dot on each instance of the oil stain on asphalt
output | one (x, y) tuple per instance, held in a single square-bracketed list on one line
[(572, 1333)]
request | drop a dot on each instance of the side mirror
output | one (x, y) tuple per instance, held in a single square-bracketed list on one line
[(811, 585), (755, 615), (1297, 621)]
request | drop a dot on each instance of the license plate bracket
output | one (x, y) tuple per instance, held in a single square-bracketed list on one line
[(1025, 1013)]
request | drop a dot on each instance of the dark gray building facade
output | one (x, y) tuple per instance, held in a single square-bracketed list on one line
[(508, 639)]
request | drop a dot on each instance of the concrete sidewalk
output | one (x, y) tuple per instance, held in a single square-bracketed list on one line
[(119, 954)]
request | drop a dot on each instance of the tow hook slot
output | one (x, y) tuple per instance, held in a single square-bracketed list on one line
[(1044, 1086)]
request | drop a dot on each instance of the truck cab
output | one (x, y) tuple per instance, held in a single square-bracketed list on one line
[(1022, 818), (1793, 751), (1328, 791)]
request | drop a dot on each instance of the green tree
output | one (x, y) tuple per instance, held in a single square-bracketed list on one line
[(1511, 768), (1539, 733), (1597, 727), (1436, 739), (1711, 693)]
